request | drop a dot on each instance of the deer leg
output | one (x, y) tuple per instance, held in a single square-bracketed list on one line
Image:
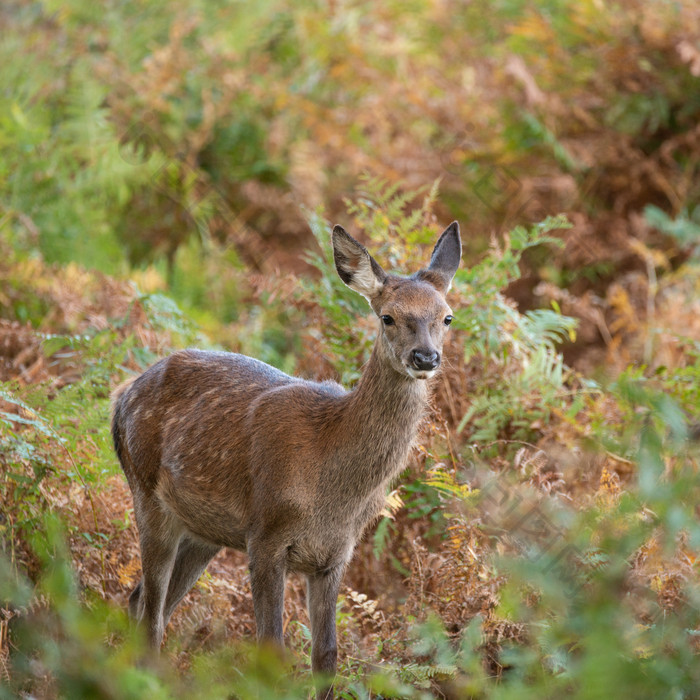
[(191, 560), (160, 536), (322, 595), (135, 604), (267, 578)]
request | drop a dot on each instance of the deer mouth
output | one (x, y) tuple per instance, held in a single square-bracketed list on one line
[(420, 373)]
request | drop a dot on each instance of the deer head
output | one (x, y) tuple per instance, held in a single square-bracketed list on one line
[(413, 312)]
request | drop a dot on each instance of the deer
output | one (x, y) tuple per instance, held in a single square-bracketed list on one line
[(222, 450)]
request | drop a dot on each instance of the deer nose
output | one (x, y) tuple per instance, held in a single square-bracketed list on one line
[(426, 360)]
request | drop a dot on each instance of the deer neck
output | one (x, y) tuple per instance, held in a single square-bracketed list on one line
[(382, 415)]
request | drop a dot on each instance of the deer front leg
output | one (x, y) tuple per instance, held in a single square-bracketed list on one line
[(322, 594), (267, 577)]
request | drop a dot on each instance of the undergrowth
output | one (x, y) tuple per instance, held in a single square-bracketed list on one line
[(546, 530), (543, 540)]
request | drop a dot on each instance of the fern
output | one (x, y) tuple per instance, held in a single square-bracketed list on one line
[(531, 372), (423, 675)]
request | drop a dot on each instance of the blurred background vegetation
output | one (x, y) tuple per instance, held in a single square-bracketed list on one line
[(168, 175)]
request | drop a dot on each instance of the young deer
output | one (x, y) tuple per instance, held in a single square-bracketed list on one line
[(221, 450)]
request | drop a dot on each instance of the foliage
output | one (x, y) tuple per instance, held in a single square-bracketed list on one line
[(67, 647), (150, 128), (547, 583), (508, 340), (158, 165), (685, 228)]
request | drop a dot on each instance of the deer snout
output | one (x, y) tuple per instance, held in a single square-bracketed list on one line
[(425, 360)]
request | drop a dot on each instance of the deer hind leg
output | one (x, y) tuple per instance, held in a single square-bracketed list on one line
[(322, 596), (135, 602), (160, 534), (191, 560)]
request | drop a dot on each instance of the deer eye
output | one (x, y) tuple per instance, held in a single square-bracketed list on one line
[(387, 320), (448, 320)]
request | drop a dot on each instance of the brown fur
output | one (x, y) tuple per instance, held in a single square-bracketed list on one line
[(221, 450)]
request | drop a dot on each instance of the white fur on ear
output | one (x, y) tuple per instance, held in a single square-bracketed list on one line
[(366, 283), (355, 266)]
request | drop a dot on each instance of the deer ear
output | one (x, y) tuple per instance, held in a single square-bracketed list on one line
[(355, 266), (444, 260)]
